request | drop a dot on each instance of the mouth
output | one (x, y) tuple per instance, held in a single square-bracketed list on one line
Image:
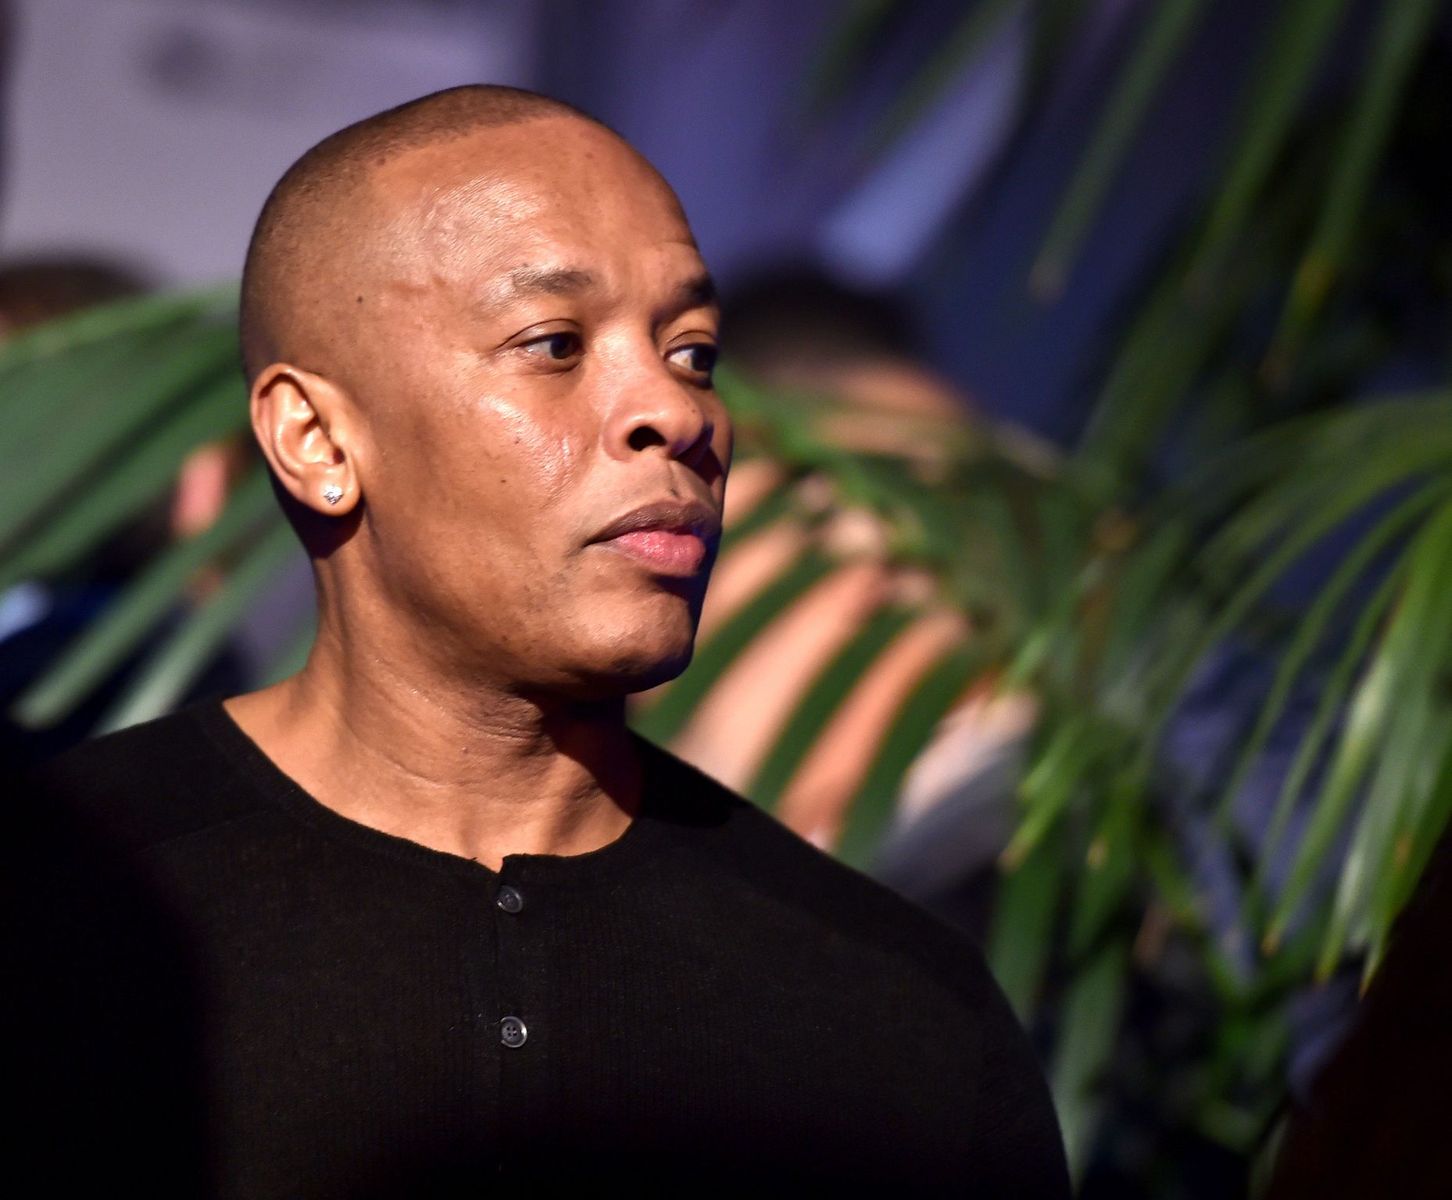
[(671, 537)]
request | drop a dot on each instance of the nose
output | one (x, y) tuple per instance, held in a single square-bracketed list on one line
[(658, 412)]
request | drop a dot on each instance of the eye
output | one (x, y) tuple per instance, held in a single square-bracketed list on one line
[(699, 358), (560, 346)]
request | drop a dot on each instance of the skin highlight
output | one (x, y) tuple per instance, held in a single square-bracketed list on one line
[(511, 354)]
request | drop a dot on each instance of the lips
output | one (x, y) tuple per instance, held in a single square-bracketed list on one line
[(670, 537)]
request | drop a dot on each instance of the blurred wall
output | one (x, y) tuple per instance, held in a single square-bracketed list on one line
[(151, 130)]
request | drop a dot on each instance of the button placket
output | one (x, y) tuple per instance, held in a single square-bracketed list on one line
[(509, 901)]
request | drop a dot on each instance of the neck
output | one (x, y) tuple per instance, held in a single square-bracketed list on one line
[(464, 767)]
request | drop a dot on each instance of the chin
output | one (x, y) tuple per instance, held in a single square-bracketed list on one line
[(660, 672), (644, 658), (626, 646), (649, 666)]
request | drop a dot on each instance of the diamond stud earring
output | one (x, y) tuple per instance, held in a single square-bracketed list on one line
[(332, 493)]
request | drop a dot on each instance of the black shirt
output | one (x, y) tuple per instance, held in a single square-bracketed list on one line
[(227, 988)]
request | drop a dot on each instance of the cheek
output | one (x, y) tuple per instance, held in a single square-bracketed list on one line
[(535, 460), (494, 461)]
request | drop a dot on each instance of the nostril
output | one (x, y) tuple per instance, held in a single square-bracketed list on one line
[(644, 436)]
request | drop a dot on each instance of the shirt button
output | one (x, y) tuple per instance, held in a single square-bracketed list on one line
[(512, 1032), (509, 899)]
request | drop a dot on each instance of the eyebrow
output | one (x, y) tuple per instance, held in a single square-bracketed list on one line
[(698, 292), (524, 282), (548, 281)]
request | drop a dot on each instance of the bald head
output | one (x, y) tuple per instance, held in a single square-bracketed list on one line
[(480, 337), (313, 227)]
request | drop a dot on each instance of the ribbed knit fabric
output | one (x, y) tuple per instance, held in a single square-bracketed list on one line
[(226, 988)]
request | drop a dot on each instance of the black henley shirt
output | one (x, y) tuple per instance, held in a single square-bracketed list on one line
[(225, 988)]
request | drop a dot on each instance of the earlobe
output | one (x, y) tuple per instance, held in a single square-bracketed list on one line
[(302, 422)]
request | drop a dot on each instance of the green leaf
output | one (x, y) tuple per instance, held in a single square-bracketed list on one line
[(1327, 482), (771, 509), (1088, 1029), (776, 422), (1336, 498), (1153, 371), (1415, 658), (1112, 859), (1311, 628), (117, 319), (1055, 23), (1015, 566), (41, 398), (1396, 663), (854, 35), (1021, 935), (984, 19), (1139, 594), (871, 809), (1167, 25), (105, 643), (1375, 905), (822, 699), (170, 669), (125, 419), (123, 488), (1286, 67), (1416, 841), (1051, 783), (1049, 644), (1328, 707), (664, 719), (1405, 27)]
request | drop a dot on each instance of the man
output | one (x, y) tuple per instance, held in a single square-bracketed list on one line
[(425, 918)]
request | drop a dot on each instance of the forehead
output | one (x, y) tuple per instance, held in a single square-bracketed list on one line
[(533, 193)]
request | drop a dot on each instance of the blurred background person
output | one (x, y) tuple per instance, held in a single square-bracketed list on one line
[(795, 331)]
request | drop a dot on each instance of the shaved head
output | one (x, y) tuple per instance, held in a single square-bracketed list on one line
[(480, 340), (317, 218)]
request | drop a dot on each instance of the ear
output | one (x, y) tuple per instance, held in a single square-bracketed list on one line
[(304, 424)]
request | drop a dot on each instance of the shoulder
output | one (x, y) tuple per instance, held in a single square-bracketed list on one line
[(857, 949), (144, 785), (732, 837)]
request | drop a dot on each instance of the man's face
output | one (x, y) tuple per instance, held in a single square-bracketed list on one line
[(543, 457)]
